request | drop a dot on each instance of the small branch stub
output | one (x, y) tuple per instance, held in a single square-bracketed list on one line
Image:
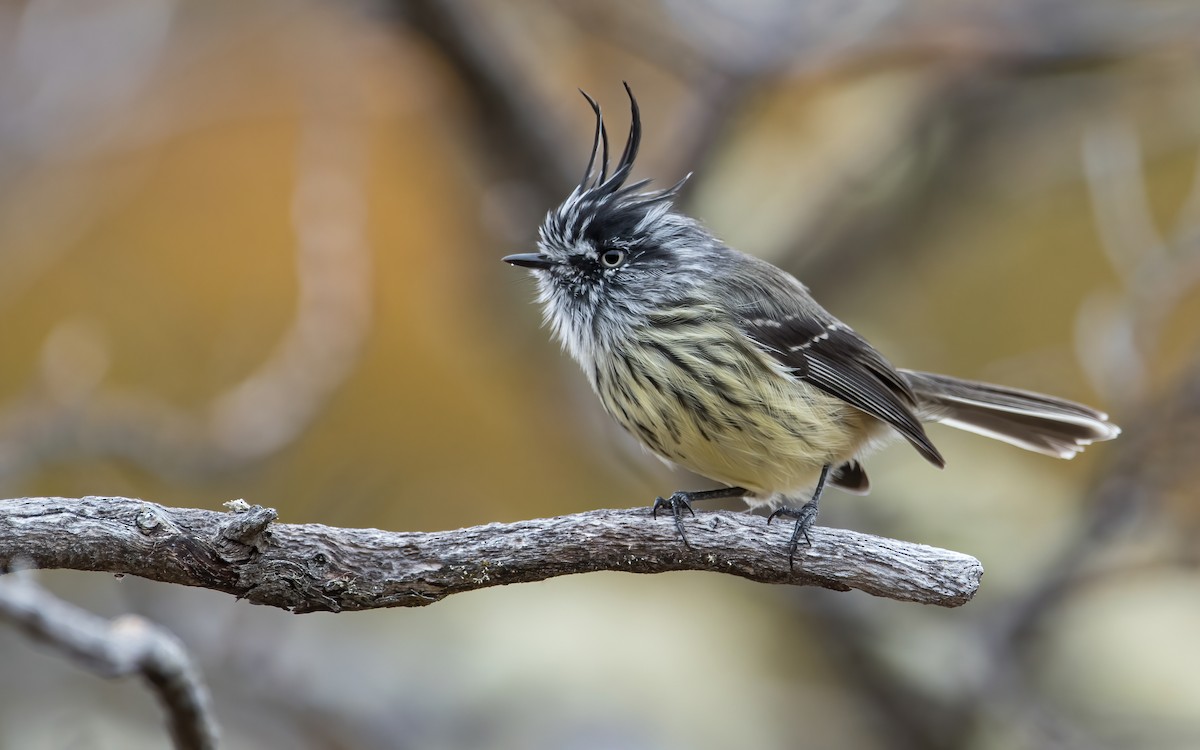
[(312, 567)]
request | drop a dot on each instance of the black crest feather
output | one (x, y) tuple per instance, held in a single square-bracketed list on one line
[(599, 145), (602, 199), (606, 184)]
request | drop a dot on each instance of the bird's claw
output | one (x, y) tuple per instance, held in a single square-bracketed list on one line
[(677, 503), (806, 516)]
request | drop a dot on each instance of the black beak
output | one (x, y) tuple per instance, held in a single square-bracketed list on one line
[(531, 260)]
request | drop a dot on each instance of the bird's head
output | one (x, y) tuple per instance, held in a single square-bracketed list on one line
[(611, 253)]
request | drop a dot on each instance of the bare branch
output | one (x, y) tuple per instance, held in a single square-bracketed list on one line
[(311, 567), (126, 646)]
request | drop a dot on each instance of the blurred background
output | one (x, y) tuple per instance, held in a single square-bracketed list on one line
[(252, 250)]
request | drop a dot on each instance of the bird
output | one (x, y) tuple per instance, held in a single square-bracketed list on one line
[(724, 364)]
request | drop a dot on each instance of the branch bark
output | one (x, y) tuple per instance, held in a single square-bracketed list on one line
[(312, 567)]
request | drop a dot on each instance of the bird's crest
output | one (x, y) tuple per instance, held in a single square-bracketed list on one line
[(602, 199)]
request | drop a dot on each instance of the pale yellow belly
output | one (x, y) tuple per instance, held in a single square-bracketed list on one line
[(768, 433)]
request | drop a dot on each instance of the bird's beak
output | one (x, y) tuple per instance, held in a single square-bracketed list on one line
[(531, 260)]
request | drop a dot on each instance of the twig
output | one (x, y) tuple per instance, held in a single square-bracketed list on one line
[(311, 567), (128, 645)]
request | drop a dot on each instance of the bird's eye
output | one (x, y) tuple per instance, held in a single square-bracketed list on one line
[(612, 258)]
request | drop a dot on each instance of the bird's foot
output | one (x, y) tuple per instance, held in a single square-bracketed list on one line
[(806, 516), (678, 502)]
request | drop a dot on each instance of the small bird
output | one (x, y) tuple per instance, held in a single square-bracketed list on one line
[(724, 364)]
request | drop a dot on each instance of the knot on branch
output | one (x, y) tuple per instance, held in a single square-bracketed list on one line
[(244, 534)]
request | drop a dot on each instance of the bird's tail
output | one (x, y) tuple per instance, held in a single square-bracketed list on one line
[(1032, 421)]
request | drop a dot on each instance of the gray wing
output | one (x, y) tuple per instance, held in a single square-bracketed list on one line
[(828, 354)]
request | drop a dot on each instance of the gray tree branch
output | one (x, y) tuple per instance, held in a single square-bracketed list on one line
[(311, 567), (127, 646)]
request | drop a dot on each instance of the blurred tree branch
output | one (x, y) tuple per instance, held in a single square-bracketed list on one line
[(512, 117), (70, 412), (129, 645), (311, 567)]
